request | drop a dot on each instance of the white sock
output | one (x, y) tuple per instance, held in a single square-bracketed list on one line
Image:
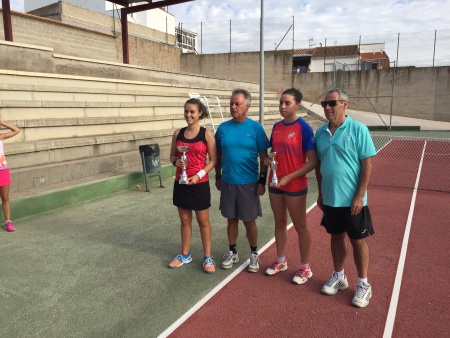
[(340, 274), (361, 280)]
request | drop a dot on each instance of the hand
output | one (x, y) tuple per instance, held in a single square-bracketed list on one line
[(218, 183), (260, 189), (283, 181), (267, 161), (357, 205), (193, 180), (320, 202)]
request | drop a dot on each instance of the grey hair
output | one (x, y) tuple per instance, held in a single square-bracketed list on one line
[(246, 93), (342, 94)]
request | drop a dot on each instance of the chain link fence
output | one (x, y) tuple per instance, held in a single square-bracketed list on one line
[(420, 49)]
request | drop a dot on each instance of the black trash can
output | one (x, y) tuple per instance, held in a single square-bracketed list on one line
[(150, 162)]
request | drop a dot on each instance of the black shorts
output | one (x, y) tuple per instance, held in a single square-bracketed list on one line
[(337, 220), (192, 197), (288, 193)]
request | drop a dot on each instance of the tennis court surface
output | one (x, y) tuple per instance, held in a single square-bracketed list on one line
[(100, 268)]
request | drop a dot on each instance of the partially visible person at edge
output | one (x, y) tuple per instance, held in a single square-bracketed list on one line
[(195, 195), (5, 175), (345, 151), (293, 142), (239, 143)]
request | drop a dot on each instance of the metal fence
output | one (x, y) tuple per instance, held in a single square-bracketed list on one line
[(420, 49), (410, 163)]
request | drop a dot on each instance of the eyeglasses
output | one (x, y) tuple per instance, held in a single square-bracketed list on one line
[(331, 103)]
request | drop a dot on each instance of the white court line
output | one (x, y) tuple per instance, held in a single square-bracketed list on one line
[(401, 264), (214, 291)]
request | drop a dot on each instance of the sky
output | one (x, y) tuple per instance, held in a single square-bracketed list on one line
[(340, 23)]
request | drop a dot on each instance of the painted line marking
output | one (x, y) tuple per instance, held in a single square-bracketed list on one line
[(401, 264), (214, 291)]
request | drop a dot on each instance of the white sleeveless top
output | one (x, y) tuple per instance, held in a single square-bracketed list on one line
[(3, 164)]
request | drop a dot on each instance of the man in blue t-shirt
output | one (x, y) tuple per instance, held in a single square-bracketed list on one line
[(345, 150), (240, 141)]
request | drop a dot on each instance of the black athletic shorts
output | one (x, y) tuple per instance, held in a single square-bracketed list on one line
[(337, 220)]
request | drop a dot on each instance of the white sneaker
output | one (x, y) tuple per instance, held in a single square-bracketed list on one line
[(301, 276), (362, 295), (253, 266), (230, 258), (334, 284), (276, 267)]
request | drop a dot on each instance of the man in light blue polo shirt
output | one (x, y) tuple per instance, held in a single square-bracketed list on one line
[(345, 149)]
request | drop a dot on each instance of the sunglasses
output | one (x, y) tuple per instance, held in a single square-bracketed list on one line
[(331, 103)]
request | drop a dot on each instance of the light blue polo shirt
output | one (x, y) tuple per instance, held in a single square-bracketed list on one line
[(340, 157), (240, 144)]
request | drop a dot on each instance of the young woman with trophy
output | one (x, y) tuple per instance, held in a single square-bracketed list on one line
[(293, 155), (189, 151)]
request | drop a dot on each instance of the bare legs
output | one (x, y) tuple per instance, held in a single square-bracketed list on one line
[(4, 195), (186, 230), (233, 231), (360, 254), (296, 206)]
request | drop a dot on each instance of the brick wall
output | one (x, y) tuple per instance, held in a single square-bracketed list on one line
[(72, 40)]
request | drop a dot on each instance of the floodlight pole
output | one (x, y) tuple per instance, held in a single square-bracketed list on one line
[(261, 65)]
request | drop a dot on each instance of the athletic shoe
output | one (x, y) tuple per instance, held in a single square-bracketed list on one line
[(9, 226), (334, 284), (362, 295), (253, 266), (230, 258), (276, 267), (208, 265), (179, 261), (301, 276)]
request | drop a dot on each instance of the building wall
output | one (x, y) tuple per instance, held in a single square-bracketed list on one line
[(277, 72), (76, 41), (418, 92)]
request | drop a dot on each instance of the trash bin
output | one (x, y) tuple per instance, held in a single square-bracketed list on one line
[(150, 162)]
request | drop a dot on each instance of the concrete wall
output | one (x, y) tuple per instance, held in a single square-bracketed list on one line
[(68, 39), (417, 92), (278, 67)]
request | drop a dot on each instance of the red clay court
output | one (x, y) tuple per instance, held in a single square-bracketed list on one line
[(409, 198)]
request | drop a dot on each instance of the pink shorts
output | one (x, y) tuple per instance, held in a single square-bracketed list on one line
[(5, 177)]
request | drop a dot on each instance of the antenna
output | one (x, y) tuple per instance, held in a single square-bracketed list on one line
[(311, 42)]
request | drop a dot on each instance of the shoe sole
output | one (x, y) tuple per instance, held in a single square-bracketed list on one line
[(179, 266), (333, 293), (226, 267), (276, 272)]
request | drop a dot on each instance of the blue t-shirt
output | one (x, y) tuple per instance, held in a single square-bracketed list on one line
[(240, 144), (340, 158)]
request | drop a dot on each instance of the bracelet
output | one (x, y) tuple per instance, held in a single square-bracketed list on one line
[(262, 178), (201, 173), (218, 176), (174, 162)]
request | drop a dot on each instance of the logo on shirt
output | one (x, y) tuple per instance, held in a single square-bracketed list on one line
[(291, 135), (348, 137)]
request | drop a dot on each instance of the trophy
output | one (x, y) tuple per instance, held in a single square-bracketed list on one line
[(184, 150), (273, 166)]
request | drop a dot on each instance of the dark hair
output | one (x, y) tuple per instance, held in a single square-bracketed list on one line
[(297, 94), (246, 93), (200, 106)]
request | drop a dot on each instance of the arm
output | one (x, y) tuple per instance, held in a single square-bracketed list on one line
[(212, 155), (14, 131), (173, 150), (319, 185), (364, 178), (218, 168), (306, 168), (261, 187)]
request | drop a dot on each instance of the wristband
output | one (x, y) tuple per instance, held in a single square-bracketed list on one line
[(218, 176), (201, 173), (174, 162), (262, 178)]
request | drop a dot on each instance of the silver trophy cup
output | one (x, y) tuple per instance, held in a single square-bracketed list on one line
[(184, 150), (273, 167)]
